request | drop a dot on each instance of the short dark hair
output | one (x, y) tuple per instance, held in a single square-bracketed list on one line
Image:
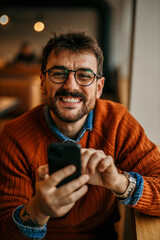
[(76, 42)]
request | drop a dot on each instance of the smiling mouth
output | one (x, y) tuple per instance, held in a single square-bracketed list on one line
[(67, 97), (70, 99)]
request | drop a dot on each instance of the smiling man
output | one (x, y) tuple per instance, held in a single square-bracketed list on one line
[(71, 87), (118, 161)]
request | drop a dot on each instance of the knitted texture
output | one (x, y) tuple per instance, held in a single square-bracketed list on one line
[(23, 148)]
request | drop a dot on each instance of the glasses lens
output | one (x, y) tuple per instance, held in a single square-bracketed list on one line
[(58, 75), (84, 77)]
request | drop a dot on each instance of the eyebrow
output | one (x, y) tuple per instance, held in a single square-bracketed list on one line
[(63, 67), (58, 67)]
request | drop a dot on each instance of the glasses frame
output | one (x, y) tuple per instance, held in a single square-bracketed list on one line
[(68, 71)]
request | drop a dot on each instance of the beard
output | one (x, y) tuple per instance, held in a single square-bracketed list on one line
[(86, 107)]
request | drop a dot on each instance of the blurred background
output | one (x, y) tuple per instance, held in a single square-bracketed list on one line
[(127, 31), (25, 28)]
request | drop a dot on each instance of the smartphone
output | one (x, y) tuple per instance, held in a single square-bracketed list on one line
[(61, 155)]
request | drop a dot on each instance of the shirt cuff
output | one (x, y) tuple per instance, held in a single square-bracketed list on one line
[(29, 232), (132, 200)]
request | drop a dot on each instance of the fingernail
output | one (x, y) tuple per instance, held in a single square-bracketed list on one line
[(72, 168), (101, 167), (85, 188), (85, 177)]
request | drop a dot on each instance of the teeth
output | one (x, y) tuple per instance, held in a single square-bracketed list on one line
[(71, 100)]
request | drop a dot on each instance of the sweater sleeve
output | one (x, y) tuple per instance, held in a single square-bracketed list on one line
[(16, 184), (136, 153)]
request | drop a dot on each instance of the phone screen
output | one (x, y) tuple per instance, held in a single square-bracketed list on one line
[(61, 155)]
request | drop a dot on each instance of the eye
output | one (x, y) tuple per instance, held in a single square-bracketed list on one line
[(58, 74), (84, 75)]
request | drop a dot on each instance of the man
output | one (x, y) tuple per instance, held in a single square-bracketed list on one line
[(118, 161)]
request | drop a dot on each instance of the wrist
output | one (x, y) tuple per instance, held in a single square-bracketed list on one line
[(32, 216), (121, 184), (37, 211), (130, 188)]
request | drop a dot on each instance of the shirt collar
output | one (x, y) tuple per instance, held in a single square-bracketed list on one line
[(86, 127)]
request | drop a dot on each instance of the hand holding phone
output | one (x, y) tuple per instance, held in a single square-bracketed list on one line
[(61, 155)]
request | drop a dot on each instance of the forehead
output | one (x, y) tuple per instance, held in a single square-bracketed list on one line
[(72, 60)]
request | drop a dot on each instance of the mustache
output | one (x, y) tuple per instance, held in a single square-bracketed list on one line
[(64, 93)]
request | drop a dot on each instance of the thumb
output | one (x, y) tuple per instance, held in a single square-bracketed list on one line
[(42, 172)]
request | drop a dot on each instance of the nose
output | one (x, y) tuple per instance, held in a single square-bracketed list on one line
[(71, 81)]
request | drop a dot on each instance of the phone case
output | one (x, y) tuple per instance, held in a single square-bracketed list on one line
[(61, 155)]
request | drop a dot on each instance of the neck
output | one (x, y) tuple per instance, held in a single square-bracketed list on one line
[(70, 130)]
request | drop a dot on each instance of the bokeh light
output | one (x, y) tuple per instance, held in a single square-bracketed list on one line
[(4, 19), (39, 26)]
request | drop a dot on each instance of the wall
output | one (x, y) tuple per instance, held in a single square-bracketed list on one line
[(120, 44), (145, 89), (121, 35)]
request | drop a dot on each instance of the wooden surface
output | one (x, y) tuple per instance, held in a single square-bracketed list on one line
[(146, 227), (26, 89)]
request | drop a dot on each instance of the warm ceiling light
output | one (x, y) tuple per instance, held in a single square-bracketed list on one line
[(39, 26), (4, 19)]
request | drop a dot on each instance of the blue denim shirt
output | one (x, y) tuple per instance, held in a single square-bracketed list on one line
[(62, 138), (39, 233)]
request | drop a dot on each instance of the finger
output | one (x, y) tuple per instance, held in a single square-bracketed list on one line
[(70, 187), (94, 159), (105, 163), (59, 175), (84, 150), (42, 172), (85, 156), (93, 162), (73, 197)]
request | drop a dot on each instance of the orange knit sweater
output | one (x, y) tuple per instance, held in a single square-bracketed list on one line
[(23, 148)]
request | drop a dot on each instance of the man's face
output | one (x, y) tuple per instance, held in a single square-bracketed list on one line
[(69, 102)]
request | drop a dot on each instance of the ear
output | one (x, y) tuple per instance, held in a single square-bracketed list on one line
[(43, 84), (100, 85)]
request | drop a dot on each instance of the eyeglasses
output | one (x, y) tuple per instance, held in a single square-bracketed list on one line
[(59, 75)]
